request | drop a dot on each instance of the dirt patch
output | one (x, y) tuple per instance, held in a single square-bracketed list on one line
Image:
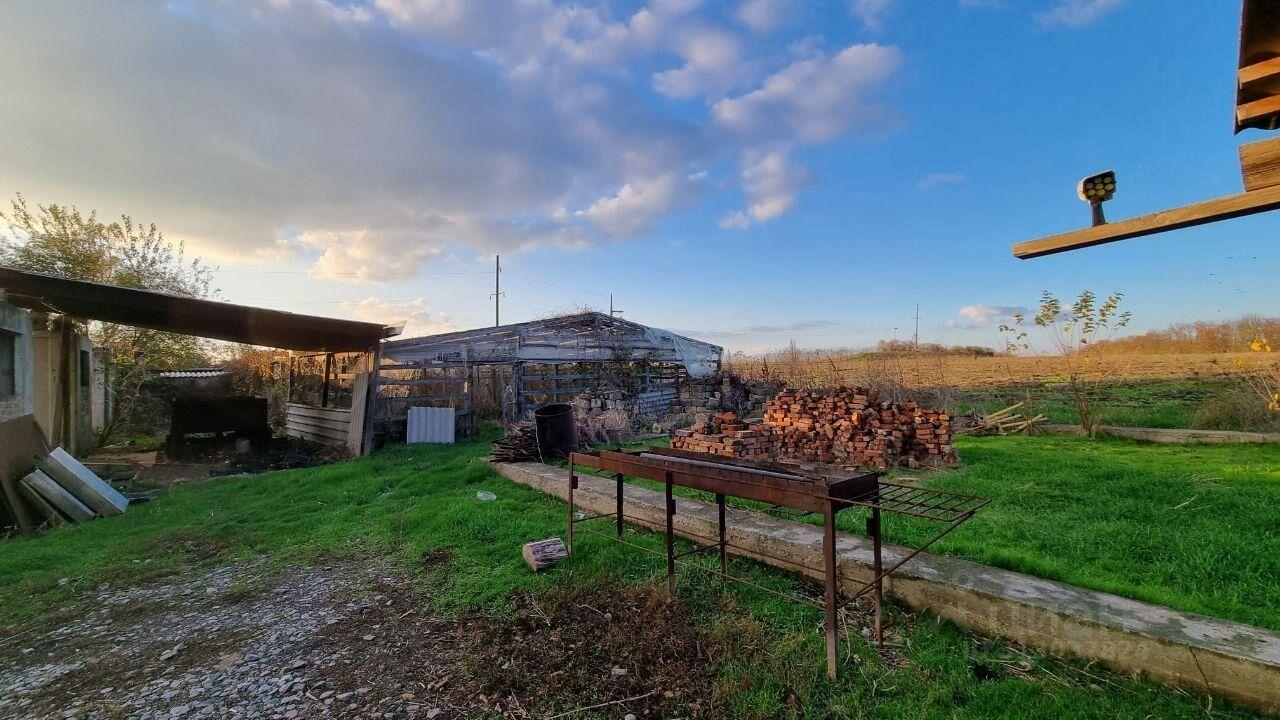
[(627, 650)]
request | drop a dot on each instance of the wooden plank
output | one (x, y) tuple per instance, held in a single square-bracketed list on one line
[(315, 438), (331, 433), (340, 425), (359, 399), (1260, 164), (1224, 208), (318, 412), (1265, 70), (1251, 113)]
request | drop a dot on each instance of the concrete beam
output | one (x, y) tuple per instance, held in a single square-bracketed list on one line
[(1169, 436), (1229, 659)]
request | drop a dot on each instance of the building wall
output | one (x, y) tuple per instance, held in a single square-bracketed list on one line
[(63, 382), (15, 323)]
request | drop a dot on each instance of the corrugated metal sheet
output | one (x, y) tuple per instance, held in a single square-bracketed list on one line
[(430, 425)]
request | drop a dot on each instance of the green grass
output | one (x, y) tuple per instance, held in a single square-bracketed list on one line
[(1199, 404), (1194, 527), (408, 502)]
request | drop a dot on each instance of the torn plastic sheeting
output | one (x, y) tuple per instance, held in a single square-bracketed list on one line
[(699, 360)]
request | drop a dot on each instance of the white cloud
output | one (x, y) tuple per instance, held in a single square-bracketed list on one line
[(870, 12), (1076, 13), (636, 206), (976, 316), (763, 16), (815, 99), (770, 185), (373, 138), (936, 179), (413, 314), (713, 65)]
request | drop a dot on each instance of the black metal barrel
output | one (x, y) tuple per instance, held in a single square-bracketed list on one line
[(557, 432)]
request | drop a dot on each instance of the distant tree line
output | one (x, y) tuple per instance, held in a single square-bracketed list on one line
[(1198, 337), (906, 347)]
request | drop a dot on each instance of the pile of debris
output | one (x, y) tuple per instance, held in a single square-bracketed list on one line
[(61, 490), (726, 434), (520, 443), (1001, 422), (854, 426)]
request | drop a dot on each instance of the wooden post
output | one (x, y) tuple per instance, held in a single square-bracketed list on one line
[(829, 554), (371, 407), (324, 388)]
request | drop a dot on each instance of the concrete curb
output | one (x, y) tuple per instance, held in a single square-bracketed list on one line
[(1169, 436), (1236, 661)]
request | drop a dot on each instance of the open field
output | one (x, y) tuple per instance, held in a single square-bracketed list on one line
[(414, 508), (929, 371)]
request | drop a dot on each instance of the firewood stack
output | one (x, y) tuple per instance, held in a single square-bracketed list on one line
[(518, 445), (853, 426), (726, 434)]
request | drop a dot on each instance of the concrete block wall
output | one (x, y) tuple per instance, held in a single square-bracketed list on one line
[(16, 323)]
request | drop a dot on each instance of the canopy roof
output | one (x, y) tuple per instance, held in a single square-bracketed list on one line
[(187, 315), (581, 337)]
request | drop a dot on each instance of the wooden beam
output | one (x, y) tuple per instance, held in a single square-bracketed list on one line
[(1224, 208), (1251, 113), (1264, 70), (1260, 163)]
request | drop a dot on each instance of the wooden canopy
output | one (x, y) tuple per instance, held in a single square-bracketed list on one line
[(187, 315)]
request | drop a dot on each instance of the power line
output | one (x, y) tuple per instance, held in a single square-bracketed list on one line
[(388, 274)]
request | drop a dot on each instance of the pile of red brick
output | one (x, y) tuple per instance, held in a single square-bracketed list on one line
[(726, 434), (846, 426), (854, 426)]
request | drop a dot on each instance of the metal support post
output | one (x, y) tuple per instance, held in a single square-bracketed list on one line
[(619, 477), (873, 529), (829, 555), (573, 483), (671, 537), (724, 549)]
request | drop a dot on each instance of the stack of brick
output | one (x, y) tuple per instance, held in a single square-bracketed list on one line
[(727, 435), (855, 427)]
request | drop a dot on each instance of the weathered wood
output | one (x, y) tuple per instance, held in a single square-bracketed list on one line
[(1224, 208), (359, 400), (543, 554), (1260, 163), (1258, 111), (1251, 75), (318, 412)]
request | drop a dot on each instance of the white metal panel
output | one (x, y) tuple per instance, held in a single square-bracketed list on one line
[(430, 425)]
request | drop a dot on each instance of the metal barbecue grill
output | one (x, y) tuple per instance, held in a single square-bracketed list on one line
[(781, 487)]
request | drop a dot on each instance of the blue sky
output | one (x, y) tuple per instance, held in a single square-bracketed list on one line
[(749, 172)]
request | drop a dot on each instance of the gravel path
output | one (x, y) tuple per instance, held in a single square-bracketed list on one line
[(238, 641)]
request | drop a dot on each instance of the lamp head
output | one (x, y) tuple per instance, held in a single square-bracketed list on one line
[(1098, 188)]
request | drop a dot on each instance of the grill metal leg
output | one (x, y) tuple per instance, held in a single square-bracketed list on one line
[(573, 482), (618, 477), (671, 538), (829, 554), (873, 529), (724, 550)]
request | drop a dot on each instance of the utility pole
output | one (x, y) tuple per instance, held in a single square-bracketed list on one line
[(916, 338), (612, 312), (497, 287)]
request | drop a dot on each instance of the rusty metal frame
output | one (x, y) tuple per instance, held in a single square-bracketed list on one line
[(779, 486)]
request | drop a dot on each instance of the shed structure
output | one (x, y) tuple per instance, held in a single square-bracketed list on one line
[(523, 365)]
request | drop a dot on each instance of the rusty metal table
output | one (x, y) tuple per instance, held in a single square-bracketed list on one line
[(779, 486)]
